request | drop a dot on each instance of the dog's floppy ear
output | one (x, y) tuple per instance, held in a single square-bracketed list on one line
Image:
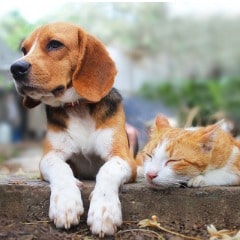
[(29, 102), (95, 71)]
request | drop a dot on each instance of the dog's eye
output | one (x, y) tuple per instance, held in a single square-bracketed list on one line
[(24, 51), (54, 45)]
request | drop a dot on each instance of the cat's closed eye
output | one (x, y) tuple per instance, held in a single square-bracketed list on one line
[(148, 155), (169, 161)]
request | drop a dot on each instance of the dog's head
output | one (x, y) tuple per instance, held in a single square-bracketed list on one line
[(62, 63)]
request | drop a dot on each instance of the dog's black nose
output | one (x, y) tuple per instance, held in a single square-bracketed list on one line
[(20, 69)]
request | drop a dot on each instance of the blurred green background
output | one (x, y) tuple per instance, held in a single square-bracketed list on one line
[(184, 55)]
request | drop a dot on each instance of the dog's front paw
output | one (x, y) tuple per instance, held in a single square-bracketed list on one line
[(66, 206), (198, 181), (104, 214)]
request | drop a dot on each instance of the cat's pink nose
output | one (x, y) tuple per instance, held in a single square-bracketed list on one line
[(151, 175)]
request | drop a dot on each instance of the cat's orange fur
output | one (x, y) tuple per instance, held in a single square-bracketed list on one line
[(201, 156)]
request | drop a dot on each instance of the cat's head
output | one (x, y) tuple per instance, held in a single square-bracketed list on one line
[(174, 155)]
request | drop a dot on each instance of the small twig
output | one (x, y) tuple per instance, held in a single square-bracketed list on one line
[(153, 223), (129, 222), (35, 222), (140, 230), (82, 231)]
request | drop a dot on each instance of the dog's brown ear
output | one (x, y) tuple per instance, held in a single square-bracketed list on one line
[(29, 102), (95, 72)]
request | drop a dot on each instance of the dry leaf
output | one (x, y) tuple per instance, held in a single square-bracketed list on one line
[(154, 223), (222, 234)]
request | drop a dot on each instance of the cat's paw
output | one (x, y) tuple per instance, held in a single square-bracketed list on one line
[(198, 181)]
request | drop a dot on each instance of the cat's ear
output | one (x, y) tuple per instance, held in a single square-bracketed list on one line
[(210, 132), (161, 122), (222, 124), (208, 136)]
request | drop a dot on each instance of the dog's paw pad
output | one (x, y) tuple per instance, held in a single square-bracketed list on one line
[(66, 207), (104, 215)]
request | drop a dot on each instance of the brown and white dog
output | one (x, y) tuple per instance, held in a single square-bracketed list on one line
[(71, 72)]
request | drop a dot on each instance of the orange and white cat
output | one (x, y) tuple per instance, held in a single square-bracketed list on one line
[(200, 156)]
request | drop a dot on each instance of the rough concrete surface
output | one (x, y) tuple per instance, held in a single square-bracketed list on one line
[(27, 199)]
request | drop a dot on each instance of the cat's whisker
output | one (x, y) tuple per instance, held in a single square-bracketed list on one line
[(174, 182)]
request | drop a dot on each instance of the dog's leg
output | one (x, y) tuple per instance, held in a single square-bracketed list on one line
[(65, 202), (105, 209)]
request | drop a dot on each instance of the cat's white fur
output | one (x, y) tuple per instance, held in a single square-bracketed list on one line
[(165, 176)]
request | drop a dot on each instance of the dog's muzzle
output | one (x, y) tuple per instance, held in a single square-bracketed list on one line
[(20, 70)]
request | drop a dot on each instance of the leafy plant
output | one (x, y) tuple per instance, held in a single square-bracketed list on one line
[(210, 96)]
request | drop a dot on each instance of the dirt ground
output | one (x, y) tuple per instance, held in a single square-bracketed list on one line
[(44, 230)]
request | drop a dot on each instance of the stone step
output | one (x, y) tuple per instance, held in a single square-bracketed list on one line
[(27, 199)]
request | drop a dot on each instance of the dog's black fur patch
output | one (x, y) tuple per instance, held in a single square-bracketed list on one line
[(104, 109), (57, 116), (108, 106)]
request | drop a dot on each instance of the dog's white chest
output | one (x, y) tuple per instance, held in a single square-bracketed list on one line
[(81, 129), (81, 136)]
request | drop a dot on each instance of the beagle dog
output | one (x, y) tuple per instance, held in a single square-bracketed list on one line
[(71, 72)]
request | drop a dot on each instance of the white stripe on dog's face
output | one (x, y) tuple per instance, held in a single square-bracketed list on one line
[(33, 47)]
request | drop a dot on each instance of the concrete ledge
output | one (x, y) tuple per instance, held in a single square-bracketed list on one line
[(25, 199)]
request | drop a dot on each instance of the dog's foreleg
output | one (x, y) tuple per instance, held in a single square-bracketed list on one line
[(65, 202), (105, 209)]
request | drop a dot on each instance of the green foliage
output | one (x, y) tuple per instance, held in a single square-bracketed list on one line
[(146, 29), (209, 96), (129, 25), (14, 28), (231, 100)]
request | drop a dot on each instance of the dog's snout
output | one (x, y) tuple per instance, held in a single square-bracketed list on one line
[(20, 69)]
